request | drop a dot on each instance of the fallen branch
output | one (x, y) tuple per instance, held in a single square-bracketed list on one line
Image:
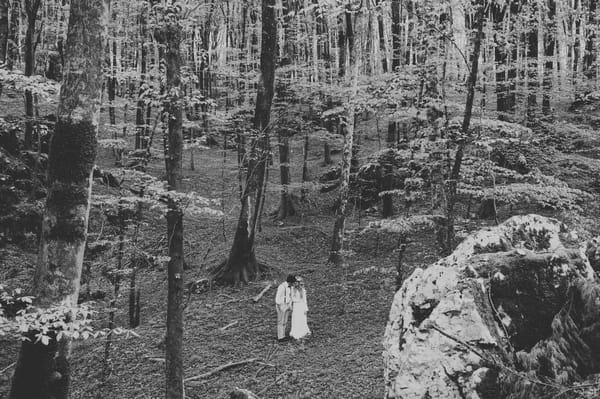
[(219, 369), (264, 366), (233, 323), (260, 295), (7, 367)]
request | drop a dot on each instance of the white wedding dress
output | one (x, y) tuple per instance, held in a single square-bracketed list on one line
[(299, 308)]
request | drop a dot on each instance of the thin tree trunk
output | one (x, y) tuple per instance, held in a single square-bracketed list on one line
[(455, 173), (305, 149), (113, 302), (12, 52), (43, 371), (326, 153), (111, 86), (3, 30), (335, 254), (286, 207), (549, 69), (387, 209), (141, 106), (590, 54), (31, 9), (396, 39), (3, 33)]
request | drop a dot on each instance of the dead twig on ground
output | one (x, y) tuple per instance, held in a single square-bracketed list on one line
[(260, 295), (7, 367), (233, 323), (220, 368)]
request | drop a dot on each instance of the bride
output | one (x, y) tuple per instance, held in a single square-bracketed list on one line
[(299, 308)]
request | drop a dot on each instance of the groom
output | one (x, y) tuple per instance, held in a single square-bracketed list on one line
[(283, 302)]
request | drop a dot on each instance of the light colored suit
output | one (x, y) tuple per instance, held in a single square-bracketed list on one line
[(283, 303)]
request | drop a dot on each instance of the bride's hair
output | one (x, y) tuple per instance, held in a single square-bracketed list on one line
[(301, 290)]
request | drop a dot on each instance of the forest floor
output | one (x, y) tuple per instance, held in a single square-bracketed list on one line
[(348, 305)]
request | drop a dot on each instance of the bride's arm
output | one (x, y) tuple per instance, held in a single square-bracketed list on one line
[(305, 301)]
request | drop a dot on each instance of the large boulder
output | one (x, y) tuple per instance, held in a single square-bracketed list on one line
[(513, 312)]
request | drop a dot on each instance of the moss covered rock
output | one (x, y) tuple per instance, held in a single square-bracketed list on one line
[(513, 312)]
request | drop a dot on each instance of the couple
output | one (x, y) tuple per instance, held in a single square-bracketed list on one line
[(291, 298)]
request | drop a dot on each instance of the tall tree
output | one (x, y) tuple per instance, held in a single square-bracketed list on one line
[(241, 265), (170, 35), (347, 124), (42, 371)]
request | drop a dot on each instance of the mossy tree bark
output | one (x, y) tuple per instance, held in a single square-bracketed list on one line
[(241, 265), (43, 371), (171, 36)]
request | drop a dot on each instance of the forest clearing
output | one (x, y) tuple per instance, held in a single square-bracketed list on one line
[(414, 184)]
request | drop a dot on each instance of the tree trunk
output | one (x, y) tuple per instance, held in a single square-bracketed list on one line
[(382, 41), (532, 78), (549, 64), (31, 9), (396, 39), (590, 54), (171, 36), (455, 173), (141, 106), (335, 254), (12, 52), (562, 42), (505, 77), (241, 265), (305, 177), (111, 84), (387, 209), (286, 207), (3, 30), (3, 33), (43, 371), (326, 153)]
